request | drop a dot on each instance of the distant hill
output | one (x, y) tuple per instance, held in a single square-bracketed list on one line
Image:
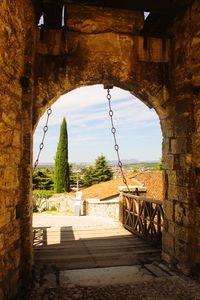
[(124, 161), (131, 161)]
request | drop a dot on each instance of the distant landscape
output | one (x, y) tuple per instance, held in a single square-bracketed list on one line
[(128, 164), (125, 162)]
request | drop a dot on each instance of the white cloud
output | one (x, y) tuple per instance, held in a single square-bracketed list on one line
[(80, 99), (86, 111)]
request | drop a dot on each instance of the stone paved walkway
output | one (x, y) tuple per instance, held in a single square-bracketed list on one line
[(152, 281), (83, 222), (88, 242)]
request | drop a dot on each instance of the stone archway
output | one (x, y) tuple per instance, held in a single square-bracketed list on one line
[(102, 46)]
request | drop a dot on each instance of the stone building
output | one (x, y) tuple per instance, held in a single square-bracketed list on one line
[(157, 60)]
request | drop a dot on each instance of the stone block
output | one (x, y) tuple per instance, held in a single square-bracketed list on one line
[(5, 219), (4, 157), (183, 177), (17, 258), (14, 283), (10, 154), (186, 161), (197, 122), (9, 118), (6, 137), (179, 213), (169, 210), (185, 194), (182, 233), (171, 228), (168, 243), (166, 145), (11, 198), (172, 178), (1, 242), (197, 148), (2, 202), (184, 126), (168, 161), (176, 162), (13, 236), (181, 251), (172, 192), (167, 126), (17, 140), (184, 215), (166, 257), (153, 52), (10, 178), (165, 185), (98, 20), (183, 106), (181, 145)]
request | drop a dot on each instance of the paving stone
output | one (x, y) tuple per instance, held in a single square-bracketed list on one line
[(156, 270)]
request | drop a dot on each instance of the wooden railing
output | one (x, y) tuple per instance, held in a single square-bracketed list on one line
[(143, 216)]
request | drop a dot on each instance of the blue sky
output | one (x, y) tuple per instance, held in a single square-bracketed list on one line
[(86, 111)]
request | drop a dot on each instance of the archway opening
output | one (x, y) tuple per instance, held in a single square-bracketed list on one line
[(89, 133), (86, 111)]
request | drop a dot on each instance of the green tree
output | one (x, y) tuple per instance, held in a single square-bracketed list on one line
[(43, 179), (88, 174), (62, 182), (101, 171)]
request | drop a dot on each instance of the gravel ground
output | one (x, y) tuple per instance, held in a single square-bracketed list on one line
[(173, 288)]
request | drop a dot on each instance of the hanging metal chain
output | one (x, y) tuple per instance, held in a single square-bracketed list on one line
[(41, 146), (116, 146)]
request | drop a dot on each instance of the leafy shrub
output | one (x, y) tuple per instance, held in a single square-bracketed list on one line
[(40, 199), (53, 208), (43, 193)]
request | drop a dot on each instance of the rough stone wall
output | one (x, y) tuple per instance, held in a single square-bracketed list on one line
[(15, 27), (181, 151), (62, 202), (98, 47), (101, 47), (107, 209), (98, 50)]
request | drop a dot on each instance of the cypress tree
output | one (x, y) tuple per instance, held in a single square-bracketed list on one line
[(62, 183)]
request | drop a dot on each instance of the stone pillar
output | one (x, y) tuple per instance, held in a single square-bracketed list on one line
[(178, 196), (15, 22), (181, 147)]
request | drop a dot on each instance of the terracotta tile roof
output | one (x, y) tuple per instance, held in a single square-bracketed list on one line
[(153, 181), (106, 189)]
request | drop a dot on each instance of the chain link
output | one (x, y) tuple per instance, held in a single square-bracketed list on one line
[(41, 146), (116, 146)]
